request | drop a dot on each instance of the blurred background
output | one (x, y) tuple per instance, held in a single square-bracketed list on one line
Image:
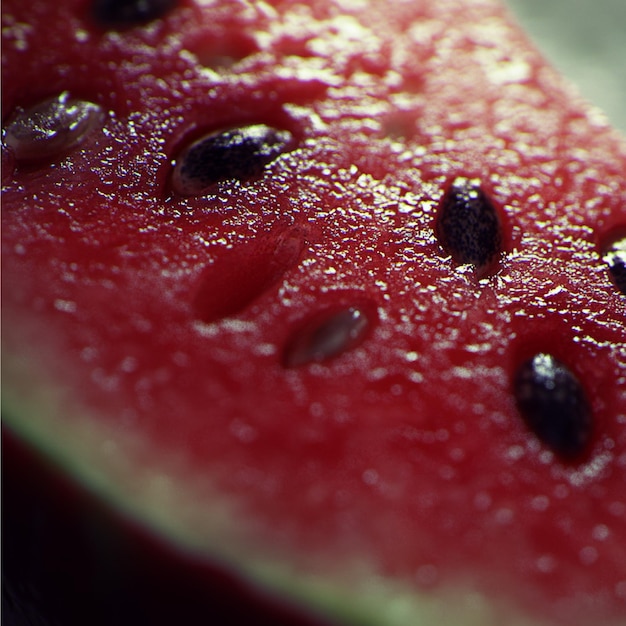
[(586, 40)]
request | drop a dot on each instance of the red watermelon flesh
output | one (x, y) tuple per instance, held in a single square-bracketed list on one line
[(284, 362)]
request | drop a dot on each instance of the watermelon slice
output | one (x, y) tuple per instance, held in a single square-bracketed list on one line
[(312, 313)]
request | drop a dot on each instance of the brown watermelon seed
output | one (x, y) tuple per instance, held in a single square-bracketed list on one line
[(468, 226), (51, 128), (554, 406), (222, 53), (614, 255), (127, 13), (327, 335), (233, 154)]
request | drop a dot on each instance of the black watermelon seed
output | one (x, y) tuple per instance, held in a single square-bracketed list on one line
[(615, 257), (126, 13), (234, 154), (468, 226), (553, 404), (326, 336)]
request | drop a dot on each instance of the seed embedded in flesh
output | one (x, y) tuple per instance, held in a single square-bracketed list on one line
[(51, 128), (468, 226), (126, 13), (233, 154), (554, 405), (615, 257), (326, 336)]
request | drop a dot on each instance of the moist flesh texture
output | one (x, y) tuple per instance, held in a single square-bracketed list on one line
[(383, 463)]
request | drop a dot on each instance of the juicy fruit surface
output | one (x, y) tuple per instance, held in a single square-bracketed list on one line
[(296, 333)]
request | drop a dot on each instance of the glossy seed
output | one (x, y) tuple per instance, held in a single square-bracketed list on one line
[(615, 257), (327, 336), (126, 13), (51, 127), (554, 406), (468, 226), (234, 154)]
